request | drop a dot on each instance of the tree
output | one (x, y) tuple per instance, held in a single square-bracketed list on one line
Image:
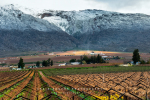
[(92, 59), (148, 61), (51, 62), (142, 62), (81, 60), (99, 59), (44, 63), (85, 58), (72, 60), (37, 63), (21, 64), (136, 56)]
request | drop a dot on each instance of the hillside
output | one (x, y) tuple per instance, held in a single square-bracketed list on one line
[(24, 29), (24, 32), (103, 30)]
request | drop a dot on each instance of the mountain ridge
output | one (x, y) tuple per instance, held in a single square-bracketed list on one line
[(85, 29), (24, 32)]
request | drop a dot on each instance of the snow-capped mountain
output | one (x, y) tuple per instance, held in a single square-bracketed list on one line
[(85, 29), (89, 21), (103, 30), (21, 31), (12, 18)]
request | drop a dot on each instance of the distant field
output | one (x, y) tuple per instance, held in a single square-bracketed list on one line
[(4, 68), (66, 56), (93, 70)]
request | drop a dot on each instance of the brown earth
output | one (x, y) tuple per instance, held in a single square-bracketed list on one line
[(133, 84), (66, 56)]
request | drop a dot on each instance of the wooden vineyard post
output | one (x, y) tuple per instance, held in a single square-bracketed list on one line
[(108, 96), (73, 98), (146, 96), (125, 97), (146, 90), (103, 78)]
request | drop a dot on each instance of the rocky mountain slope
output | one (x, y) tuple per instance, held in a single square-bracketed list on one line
[(23, 32), (103, 30), (25, 29)]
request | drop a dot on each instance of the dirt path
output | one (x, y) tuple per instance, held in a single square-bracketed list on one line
[(12, 94), (63, 93), (8, 85)]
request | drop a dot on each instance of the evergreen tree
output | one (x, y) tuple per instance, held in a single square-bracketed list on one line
[(37, 63), (142, 62), (85, 58), (136, 56), (51, 62), (44, 63), (21, 64), (99, 59), (94, 61), (72, 60), (81, 59)]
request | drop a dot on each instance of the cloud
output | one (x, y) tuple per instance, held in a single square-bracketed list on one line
[(50, 4), (124, 6)]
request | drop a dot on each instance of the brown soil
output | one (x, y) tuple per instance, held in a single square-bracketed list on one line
[(8, 83), (11, 95), (63, 93), (136, 83)]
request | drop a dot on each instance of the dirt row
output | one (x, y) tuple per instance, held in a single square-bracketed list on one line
[(6, 75), (36, 89), (12, 77), (8, 83), (133, 84), (29, 86), (61, 91), (14, 92)]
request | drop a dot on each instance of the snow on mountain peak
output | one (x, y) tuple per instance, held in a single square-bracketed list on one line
[(13, 17)]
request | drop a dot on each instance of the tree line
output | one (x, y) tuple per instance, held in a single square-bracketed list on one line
[(45, 63), (87, 60), (48, 62)]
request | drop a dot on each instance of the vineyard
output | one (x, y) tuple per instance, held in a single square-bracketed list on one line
[(125, 86), (26, 85), (41, 85), (131, 85)]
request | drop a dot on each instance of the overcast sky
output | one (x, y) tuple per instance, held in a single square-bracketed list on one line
[(124, 6)]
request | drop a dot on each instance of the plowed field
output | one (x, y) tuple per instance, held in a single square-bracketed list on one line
[(35, 85), (133, 85)]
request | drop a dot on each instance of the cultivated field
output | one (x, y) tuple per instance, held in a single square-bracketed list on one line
[(127, 83), (25, 85), (86, 83), (66, 56), (132, 84), (4, 68)]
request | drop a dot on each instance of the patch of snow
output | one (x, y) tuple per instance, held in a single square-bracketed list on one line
[(12, 18)]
